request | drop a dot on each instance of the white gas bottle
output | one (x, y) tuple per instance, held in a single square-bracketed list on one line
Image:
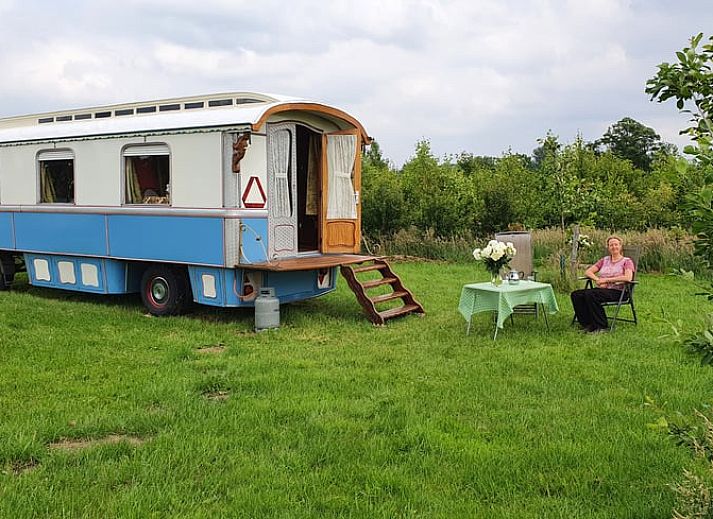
[(267, 310)]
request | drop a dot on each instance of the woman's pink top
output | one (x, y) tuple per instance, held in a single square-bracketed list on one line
[(609, 269)]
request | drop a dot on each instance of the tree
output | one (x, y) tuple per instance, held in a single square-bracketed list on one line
[(438, 195), (629, 139), (690, 83)]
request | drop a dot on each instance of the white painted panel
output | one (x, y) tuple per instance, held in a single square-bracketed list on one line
[(97, 171), (66, 272), (254, 164), (208, 286), (90, 275), (18, 174), (42, 269), (196, 169)]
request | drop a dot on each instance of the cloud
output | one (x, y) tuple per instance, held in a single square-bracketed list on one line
[(476, 75)]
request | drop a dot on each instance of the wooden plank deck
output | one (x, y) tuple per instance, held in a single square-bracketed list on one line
[(308, 262)]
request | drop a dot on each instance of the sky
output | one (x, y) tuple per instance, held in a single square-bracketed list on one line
[(474, 76)]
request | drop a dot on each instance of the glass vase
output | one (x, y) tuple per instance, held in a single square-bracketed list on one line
[(495, 279)]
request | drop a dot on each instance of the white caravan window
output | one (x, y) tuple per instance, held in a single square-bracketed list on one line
[(56, 169), (147, 175)]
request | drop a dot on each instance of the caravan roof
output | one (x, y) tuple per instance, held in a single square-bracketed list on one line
[(244, 110)]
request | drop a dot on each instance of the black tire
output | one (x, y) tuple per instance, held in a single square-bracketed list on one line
[(7, 271), (165, 290)]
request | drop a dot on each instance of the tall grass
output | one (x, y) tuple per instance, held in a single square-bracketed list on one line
[(662, 250)]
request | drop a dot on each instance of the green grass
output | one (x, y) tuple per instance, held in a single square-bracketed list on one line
[(329, 416)]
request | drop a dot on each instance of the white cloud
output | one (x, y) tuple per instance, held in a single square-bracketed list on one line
[(475, 75)]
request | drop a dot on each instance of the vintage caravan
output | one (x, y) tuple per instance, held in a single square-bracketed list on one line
[(206, 198)]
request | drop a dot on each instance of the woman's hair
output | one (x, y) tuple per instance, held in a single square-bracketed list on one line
[(614, 237)]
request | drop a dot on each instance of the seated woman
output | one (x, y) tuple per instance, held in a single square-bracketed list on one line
[(608, 276)]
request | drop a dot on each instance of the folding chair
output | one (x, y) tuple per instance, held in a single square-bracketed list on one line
[(627, 294), (522, 263)]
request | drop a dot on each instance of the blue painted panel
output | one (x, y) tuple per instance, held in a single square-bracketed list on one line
[(196, 276), (253, 240), (61, 233), (106, 277), (7, 235), (296, 286), (167, 238)]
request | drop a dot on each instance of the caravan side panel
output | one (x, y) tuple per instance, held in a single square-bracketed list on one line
[(97, 171), (18, 174), (179, 239), (7, 231), (196, 170), (82, 234)]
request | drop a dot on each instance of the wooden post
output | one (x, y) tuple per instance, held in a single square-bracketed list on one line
[(575, 250)]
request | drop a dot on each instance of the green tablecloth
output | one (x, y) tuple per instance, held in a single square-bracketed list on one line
[(483, 297)]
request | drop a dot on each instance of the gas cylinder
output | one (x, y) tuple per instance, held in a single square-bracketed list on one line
[(267, 310)]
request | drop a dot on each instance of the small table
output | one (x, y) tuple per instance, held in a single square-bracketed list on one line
[(483, 297)]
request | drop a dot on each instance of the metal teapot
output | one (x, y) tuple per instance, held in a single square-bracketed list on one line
[(513, 277)]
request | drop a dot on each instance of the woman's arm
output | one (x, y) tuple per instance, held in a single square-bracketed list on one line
[(591, 273), (626, 277)]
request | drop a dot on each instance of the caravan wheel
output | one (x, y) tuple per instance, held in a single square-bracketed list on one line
[(164, 290), (7, 271)]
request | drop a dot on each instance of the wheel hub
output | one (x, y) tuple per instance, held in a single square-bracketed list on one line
[(159, 290)]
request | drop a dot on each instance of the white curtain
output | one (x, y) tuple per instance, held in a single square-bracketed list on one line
[(280, 157), (341, 152)]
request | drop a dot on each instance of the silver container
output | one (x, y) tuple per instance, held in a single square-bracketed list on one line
[(267, 310)]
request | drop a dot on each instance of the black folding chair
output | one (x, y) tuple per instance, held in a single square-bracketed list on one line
[(627, 294)]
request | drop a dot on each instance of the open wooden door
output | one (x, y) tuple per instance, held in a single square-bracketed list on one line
[(341, 186)]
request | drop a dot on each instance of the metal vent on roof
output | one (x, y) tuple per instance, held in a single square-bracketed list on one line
[(44, 120), (246, 100), (64, 118), (168, 108), (145, 109), (102, 115), (189, 106), (125, 111), (80, 117)]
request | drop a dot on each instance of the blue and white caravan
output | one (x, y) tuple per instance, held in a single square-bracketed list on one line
[(206, 197)]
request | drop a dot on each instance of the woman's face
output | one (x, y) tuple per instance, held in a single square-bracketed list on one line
[(614, 247)]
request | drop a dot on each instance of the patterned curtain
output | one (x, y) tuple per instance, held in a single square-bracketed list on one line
[(341, 153), (133, 189), (47, 194), (280, 157)]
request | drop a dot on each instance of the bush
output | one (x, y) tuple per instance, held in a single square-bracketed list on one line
[(662, 250)]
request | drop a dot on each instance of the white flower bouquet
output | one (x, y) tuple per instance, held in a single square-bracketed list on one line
[(495, 256)]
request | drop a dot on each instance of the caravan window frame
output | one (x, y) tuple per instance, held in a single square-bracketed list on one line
[(134, 150), (55, 154)]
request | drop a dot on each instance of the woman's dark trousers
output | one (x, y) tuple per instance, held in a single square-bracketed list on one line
[(588, 307)]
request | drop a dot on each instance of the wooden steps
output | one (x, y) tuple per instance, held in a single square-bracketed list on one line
[(388, 279)]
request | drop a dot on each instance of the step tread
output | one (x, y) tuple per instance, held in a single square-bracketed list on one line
[(401, 310), (388, 297), (378, 282), (368, 268)]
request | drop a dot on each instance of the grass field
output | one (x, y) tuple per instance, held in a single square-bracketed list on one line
[(105, 412)]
